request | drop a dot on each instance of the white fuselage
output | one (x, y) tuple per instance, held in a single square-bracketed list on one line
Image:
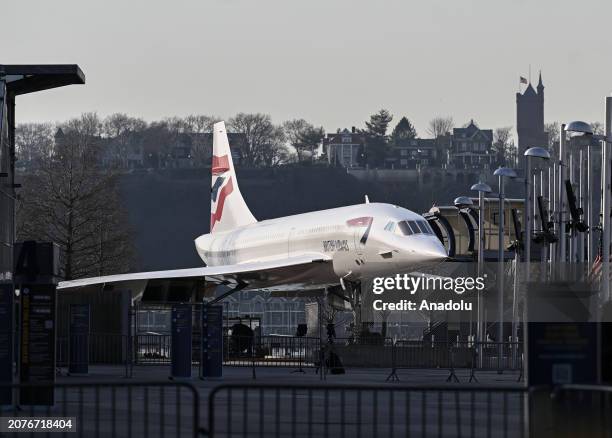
[(362, 241)]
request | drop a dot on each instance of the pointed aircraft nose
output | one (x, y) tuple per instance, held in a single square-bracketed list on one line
[(433, 250)]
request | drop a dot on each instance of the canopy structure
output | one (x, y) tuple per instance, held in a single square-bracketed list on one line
[(16, 80)]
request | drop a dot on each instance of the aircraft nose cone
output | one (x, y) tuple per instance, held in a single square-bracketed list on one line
[(434, 250)]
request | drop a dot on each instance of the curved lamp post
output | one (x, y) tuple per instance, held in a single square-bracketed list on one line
[(462, 202)]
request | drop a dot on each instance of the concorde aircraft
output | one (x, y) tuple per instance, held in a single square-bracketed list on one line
[(309, 251)]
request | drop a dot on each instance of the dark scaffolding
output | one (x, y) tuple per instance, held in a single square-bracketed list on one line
[(14, 81)]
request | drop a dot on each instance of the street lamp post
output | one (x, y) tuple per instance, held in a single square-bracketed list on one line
[(464, 203), (581, 193), (531, 153), (560, 198), (501, 173), (481, 188), (577, 128), (590, 208), (535, 152)]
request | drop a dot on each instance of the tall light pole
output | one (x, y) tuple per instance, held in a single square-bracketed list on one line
[(582, 128), (481, 188), (463, 205), (535, 152), (561, 199), (501, 173)]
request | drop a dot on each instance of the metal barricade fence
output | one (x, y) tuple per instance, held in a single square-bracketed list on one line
[(362, 411), (302, 352), (126, 409), (271, 351), (580, 411), (104, 348), (172, 409), (152, 349), (373, 352), (422, 354)]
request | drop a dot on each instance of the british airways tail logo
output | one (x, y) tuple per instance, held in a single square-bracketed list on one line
[(222, 187)]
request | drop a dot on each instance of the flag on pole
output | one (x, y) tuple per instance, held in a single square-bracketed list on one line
[(595, 273), (524, 80), (596, 268)]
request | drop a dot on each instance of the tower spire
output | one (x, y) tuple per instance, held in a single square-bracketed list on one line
[(540, 84)]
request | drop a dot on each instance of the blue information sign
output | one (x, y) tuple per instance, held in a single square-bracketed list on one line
[(181, 341), (79, 339), (6, 341), (211, 361)]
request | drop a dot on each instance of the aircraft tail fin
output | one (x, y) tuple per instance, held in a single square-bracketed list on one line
[(227, 207)]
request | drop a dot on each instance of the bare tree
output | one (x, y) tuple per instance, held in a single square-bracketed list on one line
[(303, 136), (196, 126), (503, 145), (275, 151), (263, 139), (119, 124), (122, 132), (439, 126), (71, 202), (200, 123), (552, 129), (33, 143)]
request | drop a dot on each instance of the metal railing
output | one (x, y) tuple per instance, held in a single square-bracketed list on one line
[(470, 355), (104, 348), (304, 352), (422, 354), (271, 351), (362, 411), (579, 411), (125, 409), (152, 349), (173, 409)]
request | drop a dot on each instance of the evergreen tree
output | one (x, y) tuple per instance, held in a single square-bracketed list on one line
[(378, 124), (376, 138), (404, 130)]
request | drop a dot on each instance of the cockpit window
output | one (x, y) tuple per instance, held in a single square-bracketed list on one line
[(390, 226), (424, 227), (404, 228), (409, 228), (414, 227)]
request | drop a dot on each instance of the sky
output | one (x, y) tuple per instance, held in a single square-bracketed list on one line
[(332, 62)]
